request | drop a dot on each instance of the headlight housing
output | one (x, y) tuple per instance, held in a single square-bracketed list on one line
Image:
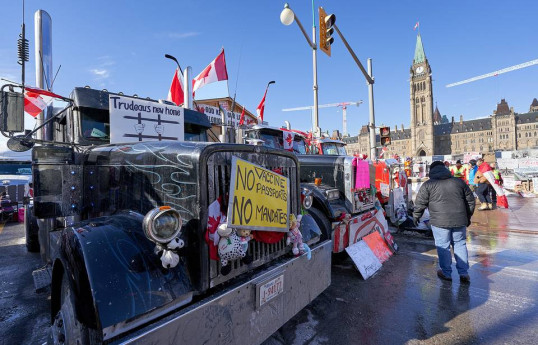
[(162, 224), (332, 194)]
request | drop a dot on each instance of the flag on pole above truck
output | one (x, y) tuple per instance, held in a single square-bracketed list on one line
[(215, 71)]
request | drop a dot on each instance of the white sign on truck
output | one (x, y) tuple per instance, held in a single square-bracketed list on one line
[(133, 119)]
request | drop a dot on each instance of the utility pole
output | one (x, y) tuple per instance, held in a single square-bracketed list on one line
[(372, 114), (370, 81)]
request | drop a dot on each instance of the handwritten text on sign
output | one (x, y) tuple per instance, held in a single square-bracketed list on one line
[(259, 198)]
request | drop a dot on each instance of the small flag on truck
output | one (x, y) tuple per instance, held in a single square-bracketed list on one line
[(35, 100)]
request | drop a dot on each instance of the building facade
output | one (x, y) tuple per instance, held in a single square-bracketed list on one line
[(432, 134)]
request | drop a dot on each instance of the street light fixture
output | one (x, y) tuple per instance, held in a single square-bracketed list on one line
[(287, 16)]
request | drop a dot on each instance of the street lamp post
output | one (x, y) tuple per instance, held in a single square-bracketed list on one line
[(287, 16)]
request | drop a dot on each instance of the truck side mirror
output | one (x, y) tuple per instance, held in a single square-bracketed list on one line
[(11, 112)]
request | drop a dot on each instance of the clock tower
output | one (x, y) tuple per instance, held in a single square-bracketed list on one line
[(422, 142)]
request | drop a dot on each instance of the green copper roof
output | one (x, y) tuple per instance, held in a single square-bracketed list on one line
[(419, 51)]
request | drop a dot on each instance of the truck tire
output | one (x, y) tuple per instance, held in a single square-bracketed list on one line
[(65, 328), (32, 233), (322, 221)]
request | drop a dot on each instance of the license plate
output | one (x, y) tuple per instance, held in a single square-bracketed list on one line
[(270, 289)]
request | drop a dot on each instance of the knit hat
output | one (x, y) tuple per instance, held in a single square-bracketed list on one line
[(436, 163)]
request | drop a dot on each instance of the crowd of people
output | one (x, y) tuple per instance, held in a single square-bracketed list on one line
[(474, 177)]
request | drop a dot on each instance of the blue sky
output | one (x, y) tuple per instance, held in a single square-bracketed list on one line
[(120, 46)]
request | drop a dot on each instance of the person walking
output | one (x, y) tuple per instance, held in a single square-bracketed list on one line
[(451, 205), (473, 168), (483, 189)]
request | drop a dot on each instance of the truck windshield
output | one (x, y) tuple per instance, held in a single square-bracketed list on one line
[(95, 124), (299, 146), (277, 142), (333, 149), (195, 133)]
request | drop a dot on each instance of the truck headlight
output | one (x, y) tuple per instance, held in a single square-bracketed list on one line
[(307, 202), (306, 198), (332, 194), (162, 224)]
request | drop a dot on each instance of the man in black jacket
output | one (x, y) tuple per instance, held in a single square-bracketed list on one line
[(451, 205)]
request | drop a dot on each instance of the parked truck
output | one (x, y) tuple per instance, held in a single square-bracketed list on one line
[(124, 233), (329, 178)]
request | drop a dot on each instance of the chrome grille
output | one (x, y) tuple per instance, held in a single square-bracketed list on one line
[(218, 184)]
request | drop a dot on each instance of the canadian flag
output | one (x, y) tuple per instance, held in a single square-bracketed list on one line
[(176, 89), (35, 100), (288, 137), (383, 150), (215, 71), (242, 118), (261, 108), (416, 26), (214, 218)]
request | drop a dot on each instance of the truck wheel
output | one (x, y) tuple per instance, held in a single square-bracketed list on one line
[(32, 233), (66, 329), (323, 223)]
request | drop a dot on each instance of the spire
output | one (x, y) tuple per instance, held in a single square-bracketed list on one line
[(419, 51), (437, 118)]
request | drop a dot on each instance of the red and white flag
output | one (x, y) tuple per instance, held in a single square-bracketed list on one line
[(215, 71), (416, 26), (35, 100), (242, 118), (176, 89), (288, 137), (261, 107), (382, 153)]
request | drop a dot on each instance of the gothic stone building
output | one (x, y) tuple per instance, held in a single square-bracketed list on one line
[(432, 134)]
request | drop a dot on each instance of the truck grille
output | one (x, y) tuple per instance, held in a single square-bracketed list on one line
[(218, 184)]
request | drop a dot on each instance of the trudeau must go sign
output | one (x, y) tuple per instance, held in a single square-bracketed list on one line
[(259, 198)]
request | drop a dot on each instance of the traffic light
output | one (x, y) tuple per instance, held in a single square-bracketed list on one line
[(385, 135), (326, 30)]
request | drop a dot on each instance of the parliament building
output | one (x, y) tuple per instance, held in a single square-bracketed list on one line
[(432, 134)]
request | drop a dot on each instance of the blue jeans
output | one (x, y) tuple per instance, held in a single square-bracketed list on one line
[(444, 237)]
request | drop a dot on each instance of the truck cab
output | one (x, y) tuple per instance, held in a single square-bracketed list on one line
[(329, 178), (136, 242), (330, 147)]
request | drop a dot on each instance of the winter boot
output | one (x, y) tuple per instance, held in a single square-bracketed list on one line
[(490, 206), (483, 207)]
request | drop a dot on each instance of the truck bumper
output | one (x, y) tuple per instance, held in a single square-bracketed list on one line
[(235, 316)]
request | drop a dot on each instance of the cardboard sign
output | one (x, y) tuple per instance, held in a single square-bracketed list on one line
[(378, 246), (384, 189), (133, 119), (259, 198), (364, 259)]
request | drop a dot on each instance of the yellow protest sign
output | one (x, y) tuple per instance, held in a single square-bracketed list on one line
[(259, 198)]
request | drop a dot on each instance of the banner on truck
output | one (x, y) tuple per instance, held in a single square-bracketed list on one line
[(259, 198), (215, 117), (133, 119)]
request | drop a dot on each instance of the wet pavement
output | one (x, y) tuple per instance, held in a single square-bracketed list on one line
[(404, 303), (24, 314)]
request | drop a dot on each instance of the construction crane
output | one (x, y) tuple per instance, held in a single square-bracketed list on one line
[(341, 104), (496, 73)]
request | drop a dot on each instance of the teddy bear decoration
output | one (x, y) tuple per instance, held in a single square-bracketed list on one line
[(233, 244), (295, 238)]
